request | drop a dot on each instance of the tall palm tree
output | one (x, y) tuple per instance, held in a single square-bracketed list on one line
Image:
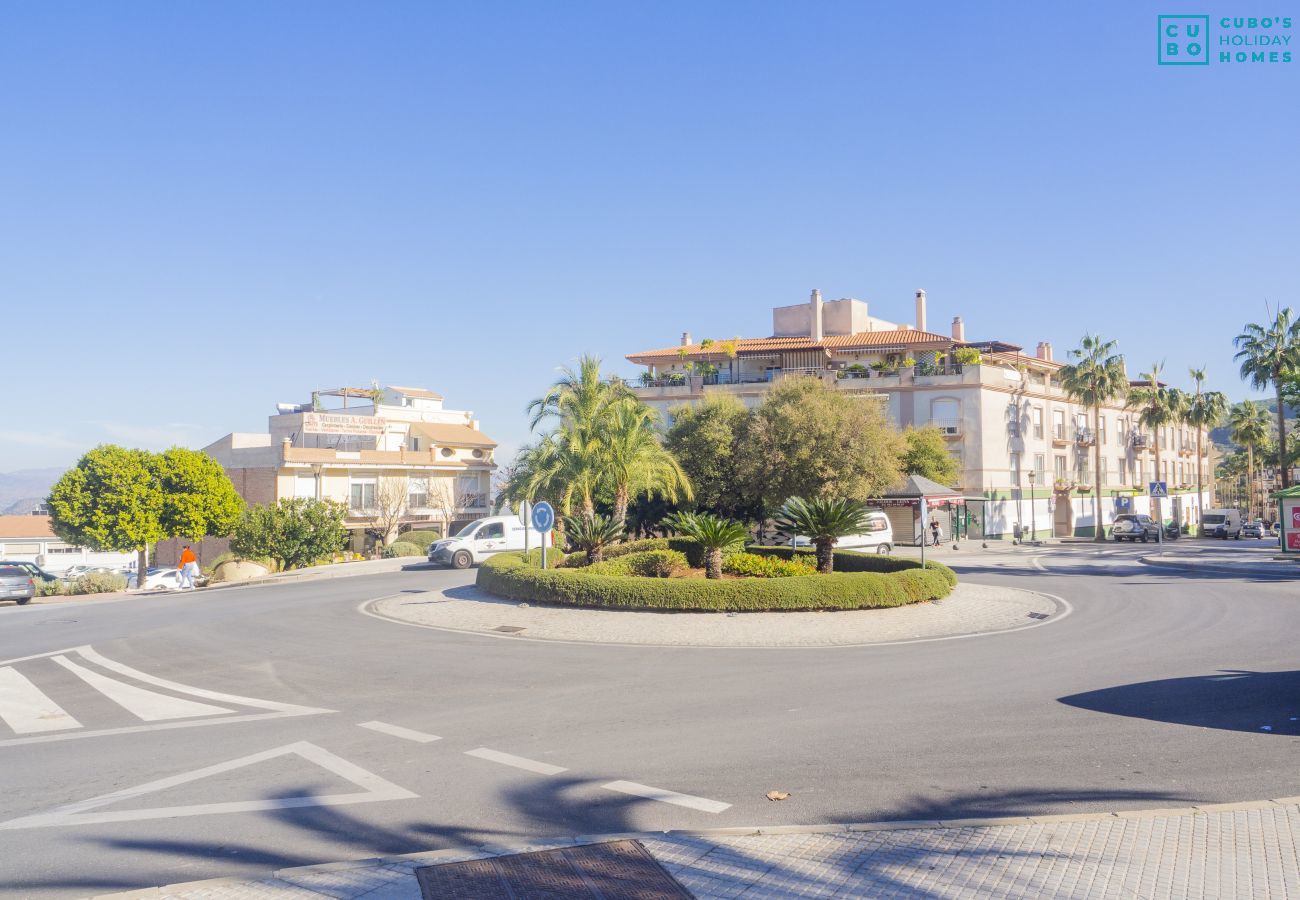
[(634, 460), (824, 522), (1157, 405), (1250, 427), (1096, 379), (1205, 410), (578, 396), (1268, 355)]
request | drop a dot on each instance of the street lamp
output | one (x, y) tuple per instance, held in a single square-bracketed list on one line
[(1033, 517)]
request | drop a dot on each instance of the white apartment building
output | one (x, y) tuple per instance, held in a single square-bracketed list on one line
[(1021, 444), (384, 447)]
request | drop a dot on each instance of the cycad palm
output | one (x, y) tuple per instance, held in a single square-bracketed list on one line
[(1158, 405), (592, 534), (824, 522), (715, 536), (1205, 410), (1096, 379), (1269, 354), (1250, 427), (633, 461)]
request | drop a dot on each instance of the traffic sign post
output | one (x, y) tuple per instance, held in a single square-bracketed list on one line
[(525, 508), (1159, 489), (543, 519)]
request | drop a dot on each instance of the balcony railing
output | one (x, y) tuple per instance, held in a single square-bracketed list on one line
[(947, 427), (1084, 437)]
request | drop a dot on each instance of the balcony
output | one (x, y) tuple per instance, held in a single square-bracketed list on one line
[(1139, 441), (1058, 437), (949, 428), (1084, 437)]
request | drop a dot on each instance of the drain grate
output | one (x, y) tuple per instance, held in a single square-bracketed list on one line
[(618, 870), (509, 629), (1039, 616)]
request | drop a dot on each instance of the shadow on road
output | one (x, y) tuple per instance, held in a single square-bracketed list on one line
[(1263, 702)]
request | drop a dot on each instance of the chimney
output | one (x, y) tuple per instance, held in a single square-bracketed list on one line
[(958, 329), (815, 315), (1044, 351), (686, 339), (920, 310)]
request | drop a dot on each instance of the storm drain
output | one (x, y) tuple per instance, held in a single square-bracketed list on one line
[(509, 629), (618, 870), (1038, 615)]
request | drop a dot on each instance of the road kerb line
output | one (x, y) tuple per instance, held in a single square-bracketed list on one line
[(518, 762), (653, 793), (409, 734)]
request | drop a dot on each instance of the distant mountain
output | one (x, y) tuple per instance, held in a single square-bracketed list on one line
[(25, 485)]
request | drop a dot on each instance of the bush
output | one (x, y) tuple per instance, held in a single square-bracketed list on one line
[(294, 532), (754, 565), (857, 561), (509, 575), (420, 538), (617, 550), (646, 564), (402, 548), (98, 583), (51, 588)]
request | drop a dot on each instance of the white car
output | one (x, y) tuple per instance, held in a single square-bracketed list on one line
[(480, 539), (879, 536), (162, 579)]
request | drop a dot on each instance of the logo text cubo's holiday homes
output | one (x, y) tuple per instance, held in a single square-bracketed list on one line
[(1193, 40)]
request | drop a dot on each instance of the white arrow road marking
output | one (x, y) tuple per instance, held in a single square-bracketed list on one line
[(518, 762), (147, 705), (373, 789), (654, 793), (27, 709), (398, 731)]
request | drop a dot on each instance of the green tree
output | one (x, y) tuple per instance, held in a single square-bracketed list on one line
[(592, 534), (1205, 410), (809, 440), (714, 534), (198, 497), (926, 454), (1095, 380), (294, 532), (634, 460), (706, 439), (1157, 406), (1250, 426), (823, 522), (111, 500), (1270, 354)]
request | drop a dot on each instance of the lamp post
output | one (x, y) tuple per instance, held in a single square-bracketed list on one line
[(1033, 513)]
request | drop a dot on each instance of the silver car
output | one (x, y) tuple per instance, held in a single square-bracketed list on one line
[(16, 584)]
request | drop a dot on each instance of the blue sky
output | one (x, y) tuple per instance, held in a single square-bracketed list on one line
[(209, 208)]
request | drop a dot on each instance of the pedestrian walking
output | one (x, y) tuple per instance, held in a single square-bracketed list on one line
[(189, 568), (935, 532)]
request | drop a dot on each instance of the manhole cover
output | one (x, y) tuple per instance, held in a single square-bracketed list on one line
[(618, 870), (509, 629), (1038, 615)]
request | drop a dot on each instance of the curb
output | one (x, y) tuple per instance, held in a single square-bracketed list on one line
[(482, 851), (1219, 570), (293, 577)]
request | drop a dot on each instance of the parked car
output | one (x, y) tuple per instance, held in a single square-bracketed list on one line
[(31, 569), (1222, 523), (1135, 527), (16, 583), (159, 578), (76, 572), (480, 539), (1255, 529), (879, 536)]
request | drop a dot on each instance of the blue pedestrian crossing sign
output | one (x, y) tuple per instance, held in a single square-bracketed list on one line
[(543, 517), (1159, 489)]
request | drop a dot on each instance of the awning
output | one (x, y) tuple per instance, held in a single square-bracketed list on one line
[(451, 435), (918, 486)]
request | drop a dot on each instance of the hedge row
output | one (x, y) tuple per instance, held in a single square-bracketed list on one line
[(858, 561), (510, 575)]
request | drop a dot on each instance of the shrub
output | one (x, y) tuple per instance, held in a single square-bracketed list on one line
[(98, 583), (402, 548), (293, 532), (420, 538), (647, 564), (856, 561), (509, 575), (51, 588), (592, 535), (639, 546), (755, 566)]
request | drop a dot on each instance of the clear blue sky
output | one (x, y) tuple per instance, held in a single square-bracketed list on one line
[(206, 208)]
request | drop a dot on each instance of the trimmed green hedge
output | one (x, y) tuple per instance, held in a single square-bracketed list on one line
[(509, 575), (421, 538), (646, 564), (755, 565), (858, 561), (403, 548)]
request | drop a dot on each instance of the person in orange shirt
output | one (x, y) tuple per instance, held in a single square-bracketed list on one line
[(189, 567)]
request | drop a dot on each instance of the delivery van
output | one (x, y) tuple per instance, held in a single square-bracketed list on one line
[(480, 539), (1222, 523)]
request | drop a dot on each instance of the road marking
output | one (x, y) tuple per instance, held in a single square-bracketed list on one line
[(519, 762), (654, 793), (398, 731), (374, 788), (147, 705), (27, 709)]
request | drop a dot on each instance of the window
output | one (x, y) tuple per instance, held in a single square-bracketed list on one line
[(945, 414), (495, 531), (1102, 473), (1101, 429), (1123, 471), (1058, 424), (1038, 423), (362, 494), (1059, 463), (1015, 468), (304, 487), (417, 495), (1040, 466), (415, 439)]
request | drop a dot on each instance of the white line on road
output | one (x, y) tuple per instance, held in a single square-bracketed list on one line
[(27, 709), (398, 731), (147, 705), (519, 762), (654, 793)]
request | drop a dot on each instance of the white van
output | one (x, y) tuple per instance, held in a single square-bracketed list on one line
[(480, 539), (1221, 523), (879, 535)]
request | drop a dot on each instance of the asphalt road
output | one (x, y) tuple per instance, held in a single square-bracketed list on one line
[(228, 725)]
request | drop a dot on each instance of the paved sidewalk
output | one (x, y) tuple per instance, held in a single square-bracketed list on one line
[(1224, 851)]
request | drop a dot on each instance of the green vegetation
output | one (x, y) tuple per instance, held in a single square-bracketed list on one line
[(403, 548), (714, 536), (1205, 410), (646, 564), (90, 583), (708, 439), (419, 538), (592, 534), (1250, 429), (823, 522), (1096, 379), (1157, 405), (1270, 357), (293, 532), (927, 455), (754, 565)]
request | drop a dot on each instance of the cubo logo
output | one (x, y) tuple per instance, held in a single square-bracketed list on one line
[(1183, 40)]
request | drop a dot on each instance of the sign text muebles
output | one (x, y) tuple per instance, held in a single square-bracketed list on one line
[(331, 423)]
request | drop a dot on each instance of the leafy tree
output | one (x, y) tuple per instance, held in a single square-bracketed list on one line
[(294, 532), (1250, 428), (823, 522), (809, 440), (1205, 410), (706, 439), (592, 535), (634, 461), (1269, 355), (198, 498), (1096, 379), (1157, 406), (926, 454), (715, 536), (111, 500)]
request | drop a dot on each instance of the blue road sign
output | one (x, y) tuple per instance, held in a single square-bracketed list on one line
[(543, 516), (1159, 489)]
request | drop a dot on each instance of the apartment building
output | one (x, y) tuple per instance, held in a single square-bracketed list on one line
[(1021, 444), (389, 454)]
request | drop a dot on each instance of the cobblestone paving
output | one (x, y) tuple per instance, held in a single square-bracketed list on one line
[(1250, 851)]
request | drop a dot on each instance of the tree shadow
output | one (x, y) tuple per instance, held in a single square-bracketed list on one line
[(1262, 702)]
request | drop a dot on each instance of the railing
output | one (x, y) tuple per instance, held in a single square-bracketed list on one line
[(947, 427), (1084, 437), (1139, 440)]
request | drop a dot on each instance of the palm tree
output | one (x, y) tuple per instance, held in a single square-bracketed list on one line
[(1205, 410), (592, 534), (1268, 355), (1250, 427), (634, 460), (1158, 405), (715, 536), (1096, 379), (579, 397), (824, 522)]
